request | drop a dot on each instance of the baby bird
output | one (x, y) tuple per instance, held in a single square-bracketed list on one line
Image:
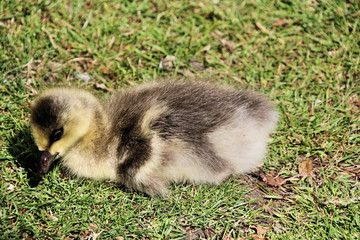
[(155, 134)]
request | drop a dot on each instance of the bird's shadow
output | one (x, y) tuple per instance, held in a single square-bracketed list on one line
[(22, 148)]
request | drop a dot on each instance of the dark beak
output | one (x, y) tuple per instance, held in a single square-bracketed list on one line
[(45, 161)]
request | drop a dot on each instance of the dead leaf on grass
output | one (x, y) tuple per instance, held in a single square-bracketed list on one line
[(167, 63), (104, 69), (305, 168), (52, 217), (357, 103), (207, 233), (269, 180), (186, 73), (274, 181), (260, 230), (197, 65), (283, 22), (85, 233), (103, 87), (68, 47), (55, 66)]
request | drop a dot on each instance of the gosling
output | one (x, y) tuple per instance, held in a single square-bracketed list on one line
[(155, 134)]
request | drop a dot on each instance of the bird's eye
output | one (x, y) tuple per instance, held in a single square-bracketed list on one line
[(57, 134)]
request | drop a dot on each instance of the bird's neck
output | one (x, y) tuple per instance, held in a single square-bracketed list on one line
[(92, 157)]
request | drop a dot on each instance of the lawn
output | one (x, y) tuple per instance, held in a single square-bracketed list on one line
[(304, 55)]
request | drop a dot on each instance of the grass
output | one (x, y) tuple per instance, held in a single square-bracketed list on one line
[(303, 54)]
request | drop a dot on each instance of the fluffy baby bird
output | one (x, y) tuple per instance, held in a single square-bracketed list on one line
[(155, 134)]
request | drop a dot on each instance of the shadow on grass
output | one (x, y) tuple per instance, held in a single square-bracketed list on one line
[(25, 153)]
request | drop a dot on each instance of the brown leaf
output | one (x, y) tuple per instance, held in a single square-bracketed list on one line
[(88, 5), (274, 181), (357, 103), (104, 69), (167, 63), (305, 167), (196, 64), (187, 73), (54, 66), (68, 47), (103, 87), (85, 233), (280, 22), (52, 217), (190, 233), (260, 230), (268, 179), (258, 173), (207, 233)]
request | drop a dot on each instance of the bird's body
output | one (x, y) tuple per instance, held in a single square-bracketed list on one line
[(155, 134)]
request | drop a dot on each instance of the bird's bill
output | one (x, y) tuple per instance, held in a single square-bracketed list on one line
[(46, 158)]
